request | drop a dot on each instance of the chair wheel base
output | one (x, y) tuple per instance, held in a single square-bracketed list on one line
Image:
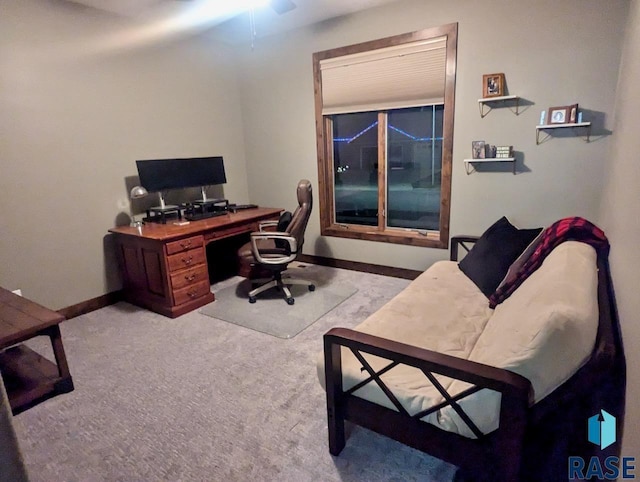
[(252, 299), (290, 301), (312, 287)]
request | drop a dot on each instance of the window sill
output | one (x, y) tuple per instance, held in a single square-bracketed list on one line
[(431, 239)]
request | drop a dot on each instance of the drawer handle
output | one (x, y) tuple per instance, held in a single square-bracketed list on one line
[(193, 294), (190, 277), (188, 260), (186, 244)]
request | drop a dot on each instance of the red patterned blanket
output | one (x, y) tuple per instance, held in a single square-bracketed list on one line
[(567, 229)]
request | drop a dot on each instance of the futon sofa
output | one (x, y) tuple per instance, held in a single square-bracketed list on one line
[(499, 381)]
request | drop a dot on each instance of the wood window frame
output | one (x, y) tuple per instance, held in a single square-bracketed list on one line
[(382, 233)]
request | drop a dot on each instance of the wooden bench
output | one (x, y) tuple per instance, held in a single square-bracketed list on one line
[(28, 377)]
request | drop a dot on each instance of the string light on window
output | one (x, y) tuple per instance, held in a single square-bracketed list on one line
[(348, 140)]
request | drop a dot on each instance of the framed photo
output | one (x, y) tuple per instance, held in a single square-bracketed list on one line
[(493, 85), (567, 114), (477, 150), (573, 114)]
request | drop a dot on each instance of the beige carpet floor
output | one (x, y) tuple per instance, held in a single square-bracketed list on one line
[(200, 399)]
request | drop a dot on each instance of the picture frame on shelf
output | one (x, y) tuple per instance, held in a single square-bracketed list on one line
[(573, 114), (478, 149), (567, 114), (493, 85)]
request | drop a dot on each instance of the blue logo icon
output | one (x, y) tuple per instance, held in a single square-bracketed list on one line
[(602, 429)]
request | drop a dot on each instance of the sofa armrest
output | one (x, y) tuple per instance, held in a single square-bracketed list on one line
[(484, 376), (516, 398), (461, 241)]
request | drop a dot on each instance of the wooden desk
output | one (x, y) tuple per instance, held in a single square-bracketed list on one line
[(28, 377), (165, 267)]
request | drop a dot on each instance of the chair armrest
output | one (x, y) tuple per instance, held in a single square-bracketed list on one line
[(267, 224), (270, 256), (460, 241)]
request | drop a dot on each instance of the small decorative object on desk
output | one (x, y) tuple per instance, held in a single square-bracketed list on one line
[(503, 152), (567, 114), (477, 149), (493, 85)]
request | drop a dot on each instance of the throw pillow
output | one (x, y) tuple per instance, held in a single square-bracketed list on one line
[(488, 261), (284, 221)]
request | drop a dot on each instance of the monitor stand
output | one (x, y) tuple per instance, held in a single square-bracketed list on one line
[(205, 201), (206, 208), (163, 206), (159, 214)]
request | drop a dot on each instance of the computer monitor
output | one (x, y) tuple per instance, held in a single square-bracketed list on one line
[(158, 175)]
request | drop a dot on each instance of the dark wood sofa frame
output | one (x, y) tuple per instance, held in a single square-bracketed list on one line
[(533, 441)]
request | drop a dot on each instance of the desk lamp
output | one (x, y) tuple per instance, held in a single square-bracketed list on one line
[(137, 192)]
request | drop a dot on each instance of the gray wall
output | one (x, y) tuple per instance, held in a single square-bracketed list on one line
[(620, 219), (72, 123), (549, 58)]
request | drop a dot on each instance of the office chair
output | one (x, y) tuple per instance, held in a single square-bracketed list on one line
[(272, 251)]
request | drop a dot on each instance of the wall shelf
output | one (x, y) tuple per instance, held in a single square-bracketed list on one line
[(549, 127), (469, 162), (489, 101)]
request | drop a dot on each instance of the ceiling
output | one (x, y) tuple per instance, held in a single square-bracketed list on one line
[(232, 25)]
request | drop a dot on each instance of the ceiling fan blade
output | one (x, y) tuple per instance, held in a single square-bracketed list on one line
[(282, 6)]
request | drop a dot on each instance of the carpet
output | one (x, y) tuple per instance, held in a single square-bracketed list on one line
[(194, 398), (270, 313)]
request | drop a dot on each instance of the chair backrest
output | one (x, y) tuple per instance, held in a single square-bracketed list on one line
[(302, 213)]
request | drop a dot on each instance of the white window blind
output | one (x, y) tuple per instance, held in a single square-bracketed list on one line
[(407, 75)]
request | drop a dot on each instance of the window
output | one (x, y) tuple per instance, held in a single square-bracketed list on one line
[(384, 122)]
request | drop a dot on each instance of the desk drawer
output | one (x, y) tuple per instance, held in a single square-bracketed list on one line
[(225, 233), (189, 277), (186, 259), (184, 244), (191, 293)]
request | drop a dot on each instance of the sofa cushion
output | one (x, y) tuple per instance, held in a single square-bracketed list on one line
[(441, 310), (488, 261), (545, 332)]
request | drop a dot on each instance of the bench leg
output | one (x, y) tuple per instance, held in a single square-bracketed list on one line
[(65, 384)]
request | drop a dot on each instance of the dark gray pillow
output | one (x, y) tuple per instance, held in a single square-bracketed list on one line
[(488, 261), (284, 221), (283, 224)]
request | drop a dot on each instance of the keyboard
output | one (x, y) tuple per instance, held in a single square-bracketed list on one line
[(198, 216)]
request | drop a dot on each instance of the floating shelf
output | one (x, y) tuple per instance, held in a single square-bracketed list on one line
[(486, 101), (585, 125), (468, 162)]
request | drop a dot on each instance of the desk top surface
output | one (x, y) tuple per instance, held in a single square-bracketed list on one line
[(21, 318), (159, 231)]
